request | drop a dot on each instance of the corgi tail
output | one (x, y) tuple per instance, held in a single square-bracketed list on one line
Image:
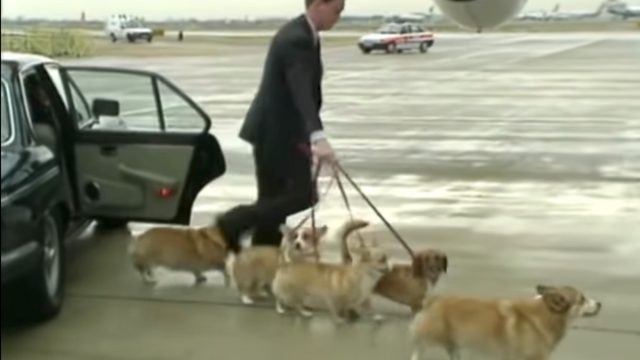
[(343, 235)]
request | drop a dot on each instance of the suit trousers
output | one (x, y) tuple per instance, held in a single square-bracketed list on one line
[(285, 187)]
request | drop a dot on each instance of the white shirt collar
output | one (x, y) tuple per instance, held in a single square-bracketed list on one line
[(313, 28)]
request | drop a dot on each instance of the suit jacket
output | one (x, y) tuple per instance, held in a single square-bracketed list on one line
[(286, 108)]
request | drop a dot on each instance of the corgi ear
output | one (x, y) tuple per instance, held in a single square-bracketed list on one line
[(444, 263), (284, 229), (554, 300), (437, 260), (286, 232), (542, 289)]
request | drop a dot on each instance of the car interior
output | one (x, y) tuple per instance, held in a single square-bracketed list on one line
[(41, 112), (46, 113)]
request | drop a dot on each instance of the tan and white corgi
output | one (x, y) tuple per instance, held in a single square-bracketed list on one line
[(195, 250), (339, 287), (253, 270), (503, 329)]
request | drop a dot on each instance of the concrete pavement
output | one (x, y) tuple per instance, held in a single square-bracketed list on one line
[(516, 154)]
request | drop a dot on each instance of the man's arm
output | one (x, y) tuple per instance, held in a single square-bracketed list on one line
[(299, 62)]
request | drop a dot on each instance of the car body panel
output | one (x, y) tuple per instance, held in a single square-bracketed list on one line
[(397, 37)]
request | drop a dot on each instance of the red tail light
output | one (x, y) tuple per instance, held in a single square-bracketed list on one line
[(166, 192)]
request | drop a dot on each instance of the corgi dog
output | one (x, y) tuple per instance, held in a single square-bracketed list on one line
[(410, 284), (339, 287), (195, 250), (253, 270), (504, 329)]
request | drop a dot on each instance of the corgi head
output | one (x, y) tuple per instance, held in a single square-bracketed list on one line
[(302, 241), (430, 264), (367, 251), (566, 300)]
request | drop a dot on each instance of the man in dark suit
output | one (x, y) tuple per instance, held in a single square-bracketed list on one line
[(284, 127)]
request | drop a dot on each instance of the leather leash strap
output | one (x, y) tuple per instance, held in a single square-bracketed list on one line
[(312, 214), (345, 251), (373, 207)]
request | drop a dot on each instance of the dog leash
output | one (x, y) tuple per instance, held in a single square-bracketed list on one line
[(314, 189), (312, 214), (312, 210), (373, 207)]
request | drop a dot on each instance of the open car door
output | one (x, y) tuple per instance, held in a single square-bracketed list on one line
[(142, 149)]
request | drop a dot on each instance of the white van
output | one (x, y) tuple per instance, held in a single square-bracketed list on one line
[(131, 28)]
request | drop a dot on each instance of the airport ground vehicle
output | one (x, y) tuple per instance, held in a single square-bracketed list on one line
[(64, 164), (127, 27), (396, 38)]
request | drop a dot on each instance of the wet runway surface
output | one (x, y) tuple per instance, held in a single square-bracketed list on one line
[(518, 155)]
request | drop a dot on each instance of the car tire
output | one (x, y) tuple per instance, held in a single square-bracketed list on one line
[(150, 38), (391, 48), (424, 46), (39, 295), (113, 38), (365, 50)]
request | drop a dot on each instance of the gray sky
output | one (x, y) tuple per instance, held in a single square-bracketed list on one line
[(162, 9)]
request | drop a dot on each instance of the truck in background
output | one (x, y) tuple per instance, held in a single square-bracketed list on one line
[(127, 27)]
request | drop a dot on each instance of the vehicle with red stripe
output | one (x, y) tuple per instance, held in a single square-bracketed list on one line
[(396, 38)]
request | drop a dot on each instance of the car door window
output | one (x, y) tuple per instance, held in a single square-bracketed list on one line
[(82, 110), (137, 108), (139, 101), (178, 114), (7, 121), (83, 114)]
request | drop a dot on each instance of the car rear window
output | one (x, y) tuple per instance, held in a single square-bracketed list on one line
[(6, 120)]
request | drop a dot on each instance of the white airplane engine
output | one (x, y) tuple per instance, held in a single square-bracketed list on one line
[(480, 14)]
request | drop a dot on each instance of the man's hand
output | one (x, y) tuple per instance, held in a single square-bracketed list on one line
[(323, 152)]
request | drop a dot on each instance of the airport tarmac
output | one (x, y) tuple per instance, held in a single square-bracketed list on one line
[(517, 154)]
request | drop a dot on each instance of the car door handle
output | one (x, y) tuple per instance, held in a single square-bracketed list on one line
[(108, 150)]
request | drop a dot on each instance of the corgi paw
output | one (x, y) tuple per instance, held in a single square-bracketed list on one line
[(280, 309), (305, 312), (247, 300), (148, 279), (378, 318)]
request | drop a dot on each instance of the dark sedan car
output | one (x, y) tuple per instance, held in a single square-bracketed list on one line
[(88, 143)]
